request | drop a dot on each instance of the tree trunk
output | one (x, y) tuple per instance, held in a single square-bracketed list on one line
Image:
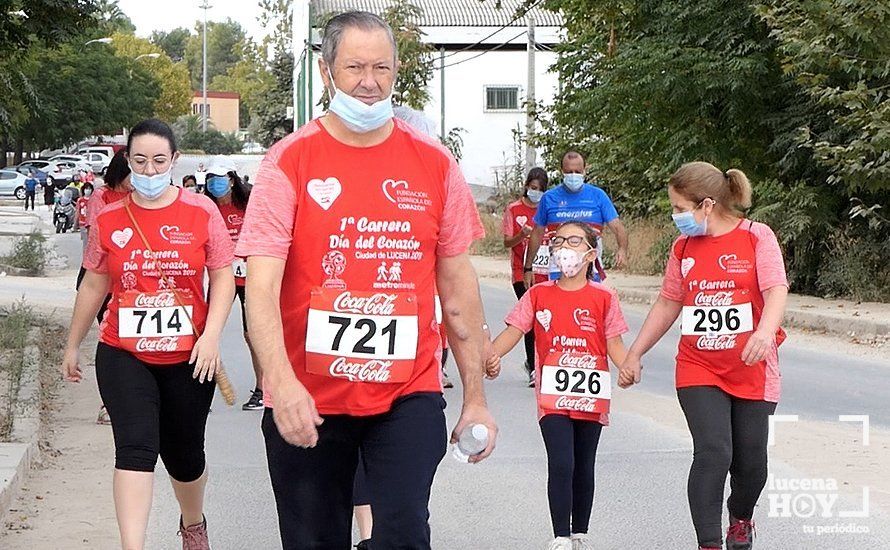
[(613, 41), (19, 147), (3, 142)]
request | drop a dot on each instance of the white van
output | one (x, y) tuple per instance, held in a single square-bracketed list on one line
[(101, 149)]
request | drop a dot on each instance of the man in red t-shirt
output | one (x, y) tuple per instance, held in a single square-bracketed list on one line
[(354, 222)]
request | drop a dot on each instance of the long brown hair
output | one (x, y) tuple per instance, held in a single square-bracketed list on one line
[(697, 181)]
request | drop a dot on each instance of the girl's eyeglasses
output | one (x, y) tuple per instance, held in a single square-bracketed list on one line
[(574, 240)]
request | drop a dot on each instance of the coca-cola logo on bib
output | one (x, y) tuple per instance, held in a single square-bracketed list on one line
[(160, 299), (375, 370), (376, 304), (574, 361), (582, 404), (716, 299)]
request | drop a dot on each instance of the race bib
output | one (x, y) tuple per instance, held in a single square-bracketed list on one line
[(239, 267), (155, 321), (362, 336), (575, 381), (714, 321)]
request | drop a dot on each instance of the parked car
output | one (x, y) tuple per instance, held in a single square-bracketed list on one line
[(98, 162), (108, 149), (79, 161), (12, 184), (252, 148), (58, 173)]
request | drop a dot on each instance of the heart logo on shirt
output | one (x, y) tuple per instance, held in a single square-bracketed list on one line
[(324, 192), (584, 320), (544, 317), (521, 220), (686, 266), (390, 185), (724, 260), (122, 236)]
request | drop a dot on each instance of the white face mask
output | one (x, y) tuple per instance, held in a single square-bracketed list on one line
[(357, 115), (534, 195), (569, 261)]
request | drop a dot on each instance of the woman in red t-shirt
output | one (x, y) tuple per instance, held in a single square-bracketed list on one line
[(577, 324), (726, 277), (225, 188), (159, 340), (517, 226)]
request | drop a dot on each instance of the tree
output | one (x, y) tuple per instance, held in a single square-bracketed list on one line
[(249, 77), (112, 18), (415, 56), (173, 43), (223, 38), (271, 122), (176, 93)]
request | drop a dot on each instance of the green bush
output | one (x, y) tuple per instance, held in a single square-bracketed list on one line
[(29, 253)]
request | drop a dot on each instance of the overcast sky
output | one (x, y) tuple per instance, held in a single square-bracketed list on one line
[(150, 15)]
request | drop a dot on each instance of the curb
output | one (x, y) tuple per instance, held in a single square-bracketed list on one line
[(17, 458)]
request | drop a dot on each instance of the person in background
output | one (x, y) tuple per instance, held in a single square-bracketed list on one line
[(518, 222), (189, 183), (225, 188), (576, 200), (81, 207), (200, 178), (30, 188), (49, 194)]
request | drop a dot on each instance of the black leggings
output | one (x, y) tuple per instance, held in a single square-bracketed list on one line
[(29, 196), (571, 461), (154, 409), (239, 293), (729, 436), (313, 487), (520, 290), (104, 307)]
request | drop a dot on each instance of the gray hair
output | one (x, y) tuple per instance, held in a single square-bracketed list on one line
[(333, 32)]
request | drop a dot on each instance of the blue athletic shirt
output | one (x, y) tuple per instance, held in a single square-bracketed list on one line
[(590, 205)]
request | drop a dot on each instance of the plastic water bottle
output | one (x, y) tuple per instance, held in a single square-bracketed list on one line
[(472, 441)]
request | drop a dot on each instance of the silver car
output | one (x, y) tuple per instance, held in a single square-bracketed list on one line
[(58, 173), (12, 184)]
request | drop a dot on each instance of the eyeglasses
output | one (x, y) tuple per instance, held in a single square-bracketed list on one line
[(574, 240), (140, 164)]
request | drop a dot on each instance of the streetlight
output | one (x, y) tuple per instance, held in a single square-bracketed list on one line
[(105, 40), (204, 6), (154, 55)]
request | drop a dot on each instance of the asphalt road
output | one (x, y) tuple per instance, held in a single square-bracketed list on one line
[(501, 504)]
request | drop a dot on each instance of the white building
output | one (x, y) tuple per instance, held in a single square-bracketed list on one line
[(482, 58)]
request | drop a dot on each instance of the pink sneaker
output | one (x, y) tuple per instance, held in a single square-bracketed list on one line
[(194, 537)]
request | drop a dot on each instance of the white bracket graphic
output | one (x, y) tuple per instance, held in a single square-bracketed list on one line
[(863, 418), (771, 440)]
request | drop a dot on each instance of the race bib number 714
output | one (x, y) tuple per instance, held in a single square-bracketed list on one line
[(362, 336)]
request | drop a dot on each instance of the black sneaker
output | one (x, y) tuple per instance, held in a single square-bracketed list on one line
[(446, 383), (740, 535), (255, 403), (364, 545)]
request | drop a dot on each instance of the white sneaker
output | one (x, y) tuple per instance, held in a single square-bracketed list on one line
[(560, 543), (580, 541)]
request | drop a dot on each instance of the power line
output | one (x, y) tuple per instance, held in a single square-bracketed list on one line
[(495, 48), (481, 40)]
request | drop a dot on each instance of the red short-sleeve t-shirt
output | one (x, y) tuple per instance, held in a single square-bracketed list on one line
[(185, 237), (360, 230)]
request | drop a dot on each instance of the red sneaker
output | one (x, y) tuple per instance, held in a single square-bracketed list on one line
[(194, 537), (740, 535)]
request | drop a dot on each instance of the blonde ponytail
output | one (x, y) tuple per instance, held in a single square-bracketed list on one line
[(697, 181), (739, 188)]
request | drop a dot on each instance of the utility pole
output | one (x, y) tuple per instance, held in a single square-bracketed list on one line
[(530, 153), (442, 90), (204, 6)]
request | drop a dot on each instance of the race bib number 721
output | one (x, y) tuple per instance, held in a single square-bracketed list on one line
[(362, 336)]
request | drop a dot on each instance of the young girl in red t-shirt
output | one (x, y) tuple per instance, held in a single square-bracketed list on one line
[(577, 324)]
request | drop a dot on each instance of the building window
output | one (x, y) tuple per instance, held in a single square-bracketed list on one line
[(502, 98), (198, 108)]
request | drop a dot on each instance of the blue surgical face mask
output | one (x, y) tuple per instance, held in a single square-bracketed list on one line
[(357, 115), (218, 186), (150, 187), (573, 181), (685, 222), (534, 195)]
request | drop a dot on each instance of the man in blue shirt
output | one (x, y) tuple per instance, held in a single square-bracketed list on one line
[(574, 200), (30, 189)]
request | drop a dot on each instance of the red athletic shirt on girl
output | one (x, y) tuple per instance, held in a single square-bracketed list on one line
[(579, 321), (144, 316), (516, 216), (720, 282)]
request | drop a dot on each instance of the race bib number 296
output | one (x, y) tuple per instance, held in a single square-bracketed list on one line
[(362, 336)]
